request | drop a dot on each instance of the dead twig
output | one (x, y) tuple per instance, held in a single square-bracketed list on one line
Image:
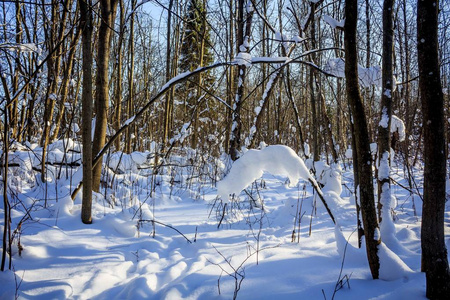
[(166, 225)]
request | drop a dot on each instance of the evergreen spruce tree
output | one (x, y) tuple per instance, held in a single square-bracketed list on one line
[(195, 52), (196, 38)]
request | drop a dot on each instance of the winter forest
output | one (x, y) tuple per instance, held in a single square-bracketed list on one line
[(245, 149)]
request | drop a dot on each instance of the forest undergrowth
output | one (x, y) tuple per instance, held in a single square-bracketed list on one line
[(142, 197)]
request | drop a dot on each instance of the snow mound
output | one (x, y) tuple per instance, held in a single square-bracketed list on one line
[(8, 284), (344, 248), (120, 227), (65, 145), (398, 125), (391, 266), (329, 176), (123, 162), (64, 206), (276, 159)]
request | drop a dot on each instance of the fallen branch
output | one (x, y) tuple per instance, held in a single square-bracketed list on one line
[(168, 226), (320, 194)]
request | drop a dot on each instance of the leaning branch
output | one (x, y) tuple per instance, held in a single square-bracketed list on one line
[(180, 78), (183, 77), (166, 225), (320, 194)]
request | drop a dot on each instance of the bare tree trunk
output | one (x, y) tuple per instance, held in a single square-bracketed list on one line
[(168, 105), (87, 99), (6, 206), (64, 91), (409, 106), (243, 36), (108, 12), (328, 129), (130, 101), (434, 252), (384, 128), (297, 120), (52, 74), (119, 76), (13, 109), (230, 79), (362, 144), (199, 82), (368, 49), (312, 74), (56, 44)]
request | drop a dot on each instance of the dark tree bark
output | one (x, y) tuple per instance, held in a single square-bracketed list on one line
[(6, 238), (361, 134), (243, 34), (130, 100), (312, 75), (13, 113), (328, 131), (87, 29), (434, 252), (119, 76), (230, 74), (384, 128)]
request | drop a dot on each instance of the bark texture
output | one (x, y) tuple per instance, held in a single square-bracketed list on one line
[(361, 135), (384, 128), (434, 252), (108, 12), (87, 28)]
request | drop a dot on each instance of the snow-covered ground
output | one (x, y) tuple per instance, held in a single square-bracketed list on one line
[(158, 237)]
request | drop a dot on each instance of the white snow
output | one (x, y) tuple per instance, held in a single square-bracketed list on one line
[(27, 47), (265, 59), (276, 160), (243, 59), (383, 169), (129, 121), (307, 149), (185, 131), (297, 39), (391, 266), (384, 122), (349, 153), (373, 148), (397, 125), (249, 7), (174, 79), (333, 22), (117, 257), (367, 76), (387, 93), (329, 176), (278, 36)]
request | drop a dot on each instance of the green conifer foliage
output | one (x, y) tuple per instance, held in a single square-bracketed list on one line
[(195, 52), (196, 36)]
